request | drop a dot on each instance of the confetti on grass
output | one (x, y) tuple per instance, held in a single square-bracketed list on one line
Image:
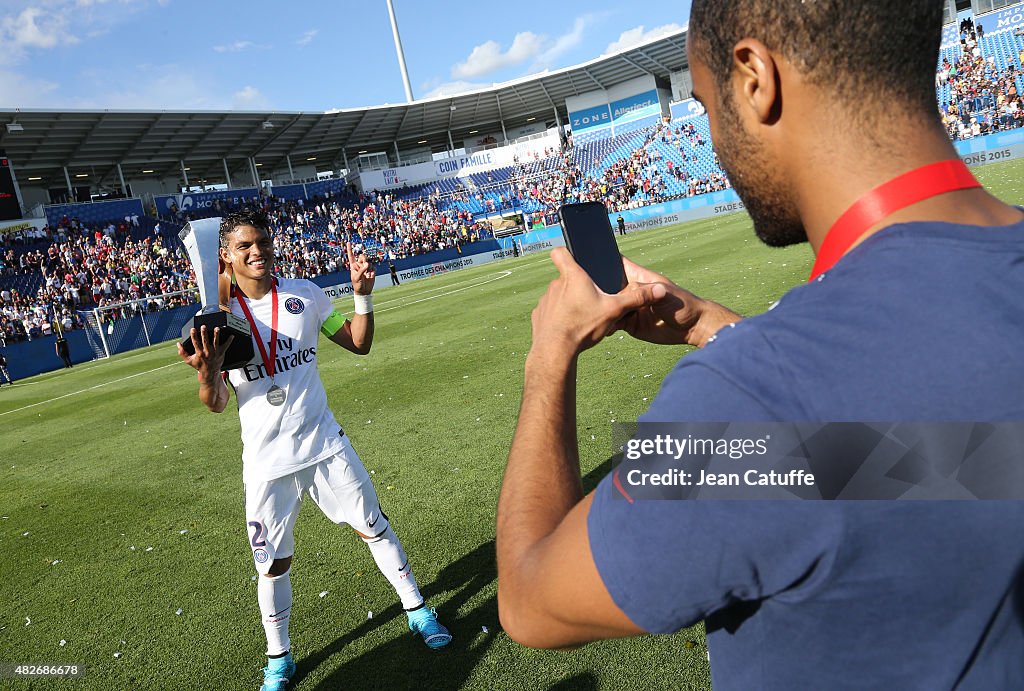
[(323, 594), (179, 611), (369, 615)]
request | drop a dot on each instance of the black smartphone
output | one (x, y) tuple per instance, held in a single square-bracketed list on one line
[(589, 237)]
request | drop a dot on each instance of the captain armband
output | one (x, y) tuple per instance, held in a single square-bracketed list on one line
[(333, 324)]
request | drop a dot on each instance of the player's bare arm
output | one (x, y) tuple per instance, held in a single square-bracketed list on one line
[(207, 360), (550, 594), (356, 334)]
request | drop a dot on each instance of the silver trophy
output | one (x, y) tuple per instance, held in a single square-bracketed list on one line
[(202, 242)]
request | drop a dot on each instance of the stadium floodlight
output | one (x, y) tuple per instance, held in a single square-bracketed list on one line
[(400, 52), (14, 127)]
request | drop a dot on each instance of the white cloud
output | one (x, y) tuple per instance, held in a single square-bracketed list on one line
[(565, 42), (489, 57), (539, 50), (453, 89), (236, 47), (34, 28), (249, 98), (307, 37), (637, 36)]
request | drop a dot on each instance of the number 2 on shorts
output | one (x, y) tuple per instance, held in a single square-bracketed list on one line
[(258, 532)]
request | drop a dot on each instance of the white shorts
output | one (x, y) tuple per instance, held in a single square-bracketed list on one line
[(339, 485)]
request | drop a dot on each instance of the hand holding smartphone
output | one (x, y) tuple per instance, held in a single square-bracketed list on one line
[(589, 237)]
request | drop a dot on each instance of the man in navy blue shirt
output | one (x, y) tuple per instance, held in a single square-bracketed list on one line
[(914, 314)]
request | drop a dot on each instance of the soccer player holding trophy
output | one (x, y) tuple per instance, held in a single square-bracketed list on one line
[(292, 445)]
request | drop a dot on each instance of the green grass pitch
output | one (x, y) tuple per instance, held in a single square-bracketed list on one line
[(104, 467)]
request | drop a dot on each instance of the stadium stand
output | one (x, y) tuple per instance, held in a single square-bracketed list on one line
[(115, 255), (74, 268), (980, 78)]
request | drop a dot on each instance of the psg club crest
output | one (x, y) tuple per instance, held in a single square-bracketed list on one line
[(261, 555), (294, 306)]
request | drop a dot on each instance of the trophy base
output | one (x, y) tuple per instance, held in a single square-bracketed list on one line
[(241, 350)]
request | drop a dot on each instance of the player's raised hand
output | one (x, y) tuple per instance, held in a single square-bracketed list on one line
[(209, 351), (678, 318), (363, 274)]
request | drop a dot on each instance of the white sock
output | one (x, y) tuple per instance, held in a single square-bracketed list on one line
[(391, 560), (275, 596)]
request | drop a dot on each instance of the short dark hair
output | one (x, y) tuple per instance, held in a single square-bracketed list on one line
[(245, 217), (858, 49)]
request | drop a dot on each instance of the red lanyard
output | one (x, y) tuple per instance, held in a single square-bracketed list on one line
[(269, 359), (885, 200)]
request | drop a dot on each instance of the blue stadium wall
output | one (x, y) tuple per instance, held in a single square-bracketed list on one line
[(29, 358)]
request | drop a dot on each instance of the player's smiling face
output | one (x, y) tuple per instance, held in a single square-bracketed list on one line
[(250, 252)]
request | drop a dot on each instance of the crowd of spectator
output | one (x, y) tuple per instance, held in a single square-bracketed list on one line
[(309, 236), (640, 178), (82, 269), (982, 98)]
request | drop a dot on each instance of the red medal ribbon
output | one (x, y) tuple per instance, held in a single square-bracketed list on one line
[(885, 200), (269, 360)]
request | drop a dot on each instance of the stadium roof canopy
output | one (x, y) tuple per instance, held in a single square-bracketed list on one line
[(94, 142)]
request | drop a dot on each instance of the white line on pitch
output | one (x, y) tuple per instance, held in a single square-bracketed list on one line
[(505, 274), (91, 388), (451, 285)]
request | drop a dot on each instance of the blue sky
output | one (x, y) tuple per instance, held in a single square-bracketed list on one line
[(300, 55)]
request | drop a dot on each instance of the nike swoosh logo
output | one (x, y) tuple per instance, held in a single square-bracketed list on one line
[(374, 521)]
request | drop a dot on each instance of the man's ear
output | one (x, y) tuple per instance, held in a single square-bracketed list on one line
[(756, 80)]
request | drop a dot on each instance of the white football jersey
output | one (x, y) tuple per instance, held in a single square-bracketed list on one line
[(280, 440)]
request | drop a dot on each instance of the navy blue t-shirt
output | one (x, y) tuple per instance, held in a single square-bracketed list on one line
[(922, 322)]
